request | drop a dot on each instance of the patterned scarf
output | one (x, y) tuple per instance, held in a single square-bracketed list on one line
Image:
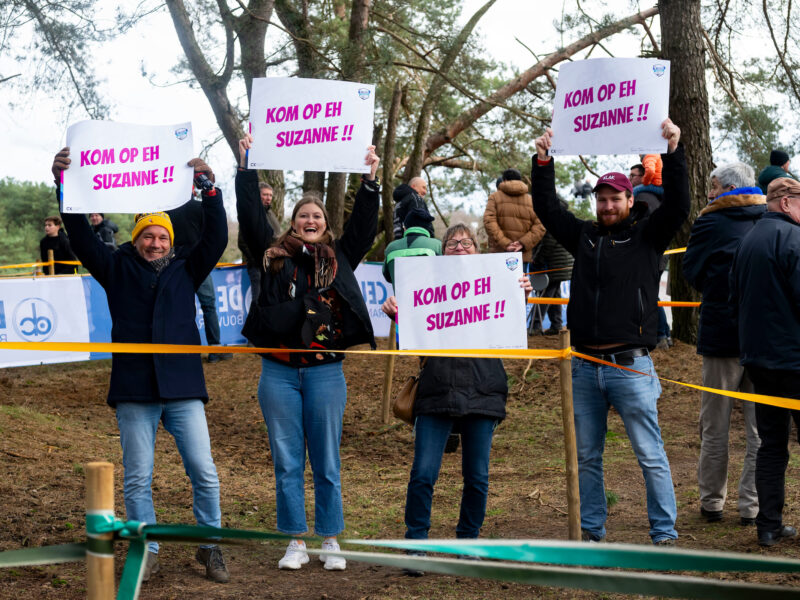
[(324, 256), (159, 264)]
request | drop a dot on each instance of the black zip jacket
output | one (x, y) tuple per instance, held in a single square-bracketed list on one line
[(614, 291), (716, 234), (765, 284), (276, 320), (459, 387)]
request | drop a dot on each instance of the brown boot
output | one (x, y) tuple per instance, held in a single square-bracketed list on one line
[(215, 565)]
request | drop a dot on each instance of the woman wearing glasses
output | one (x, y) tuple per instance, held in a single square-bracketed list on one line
[(466, 395)]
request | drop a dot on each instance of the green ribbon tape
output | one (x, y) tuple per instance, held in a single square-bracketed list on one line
[(46, 555), (131, 580), (101, 547), (648, 584), (625, 556)]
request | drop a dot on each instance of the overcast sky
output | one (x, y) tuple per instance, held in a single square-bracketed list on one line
[(35, 129)]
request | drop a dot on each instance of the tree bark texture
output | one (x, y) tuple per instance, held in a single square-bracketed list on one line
[(682, 44), (387, 204)]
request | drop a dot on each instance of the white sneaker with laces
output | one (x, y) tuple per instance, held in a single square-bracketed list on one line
[(332, 563), (295, 557)]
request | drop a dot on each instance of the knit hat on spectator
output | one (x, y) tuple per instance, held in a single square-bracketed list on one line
[(778, 158), (618, 181), (145, 220), (782, 186)]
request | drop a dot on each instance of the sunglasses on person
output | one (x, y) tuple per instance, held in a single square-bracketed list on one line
[(453, 244)]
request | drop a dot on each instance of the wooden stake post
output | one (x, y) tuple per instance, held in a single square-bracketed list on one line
[(387, 377), (100, 563), (51, 268), (570, 445)]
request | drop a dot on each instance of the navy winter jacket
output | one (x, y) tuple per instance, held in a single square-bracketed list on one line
[(459, 387), (716, 235), (148, 307), (765, 284)]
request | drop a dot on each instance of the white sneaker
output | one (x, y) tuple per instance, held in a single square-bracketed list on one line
[(332, 563), (295, 557)]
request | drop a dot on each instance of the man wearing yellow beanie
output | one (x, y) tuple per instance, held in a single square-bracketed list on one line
[(150, 285)]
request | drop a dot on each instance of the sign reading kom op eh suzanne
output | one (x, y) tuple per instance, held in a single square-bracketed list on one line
[(611, 106), (310, 124), (125, 168), (472, 301)]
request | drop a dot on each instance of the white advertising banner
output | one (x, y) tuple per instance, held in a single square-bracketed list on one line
[(125, 168), (375, 290), (471, 301), (611, 106), (34, 310), (310, 124)]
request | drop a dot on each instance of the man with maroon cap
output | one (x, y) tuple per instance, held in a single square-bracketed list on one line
[(612, 315)]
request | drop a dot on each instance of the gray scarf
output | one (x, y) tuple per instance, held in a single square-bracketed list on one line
[(160, 264)]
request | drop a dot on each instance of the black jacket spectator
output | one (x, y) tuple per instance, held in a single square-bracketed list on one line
[(277, 318), (457, 387), (148, 307), (61, 251), (105, 231), (765, 283), (616, 276), (716, 235), (187, 223), (405, 200), (553, 255)]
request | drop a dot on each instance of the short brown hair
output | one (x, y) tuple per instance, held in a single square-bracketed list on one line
[(457, 228), (54, 220), (264, 186)]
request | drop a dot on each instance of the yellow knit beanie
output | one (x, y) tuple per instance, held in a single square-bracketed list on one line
[(145, 220)]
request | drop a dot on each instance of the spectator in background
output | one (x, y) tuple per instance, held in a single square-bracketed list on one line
[(408, 196), (150, 286), (765, 284), (55, 239), (417, 240), (553, 257), (104, 229), (254, 263), (734, 207), (778, 167), (509, 219), (652, 195), (187, 221)]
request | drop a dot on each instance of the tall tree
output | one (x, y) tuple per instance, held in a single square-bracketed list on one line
[(682, 43)]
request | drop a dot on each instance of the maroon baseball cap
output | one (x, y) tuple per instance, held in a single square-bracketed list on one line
[(618, 181)]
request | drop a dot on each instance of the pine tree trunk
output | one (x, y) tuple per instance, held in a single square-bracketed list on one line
[(682, 44)]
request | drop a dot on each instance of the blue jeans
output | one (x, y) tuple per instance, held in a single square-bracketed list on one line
[(635, 397), (303, 408), (431, 434), (207, 296), (186, 421)]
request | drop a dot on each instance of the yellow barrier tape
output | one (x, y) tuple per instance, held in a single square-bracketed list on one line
[(126, 348), (672, 303), (790, 403), (675, 251)]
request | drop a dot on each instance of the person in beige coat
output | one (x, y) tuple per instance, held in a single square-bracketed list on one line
[(509, 220)]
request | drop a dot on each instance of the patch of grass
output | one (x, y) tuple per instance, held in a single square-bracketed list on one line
[(57, 582), (512, 381), (611, 498), (23, 412), (77, 469)]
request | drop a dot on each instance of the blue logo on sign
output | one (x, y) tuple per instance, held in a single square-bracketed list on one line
[(512, 263), (35, 320), (363, 93), (181, 133), (2, 316), (659, 70)]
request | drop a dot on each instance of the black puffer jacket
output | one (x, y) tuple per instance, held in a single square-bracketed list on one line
[(405, 200), (614, 292), (277, 319), (765, 284), (458, 387), (716, 235)]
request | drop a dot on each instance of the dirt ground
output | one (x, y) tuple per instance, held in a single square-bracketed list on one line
[(53, 420)]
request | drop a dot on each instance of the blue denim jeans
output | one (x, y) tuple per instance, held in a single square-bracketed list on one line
[(303, 408), (186, 421), (635, 397), (431, 434), (207, 296)]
